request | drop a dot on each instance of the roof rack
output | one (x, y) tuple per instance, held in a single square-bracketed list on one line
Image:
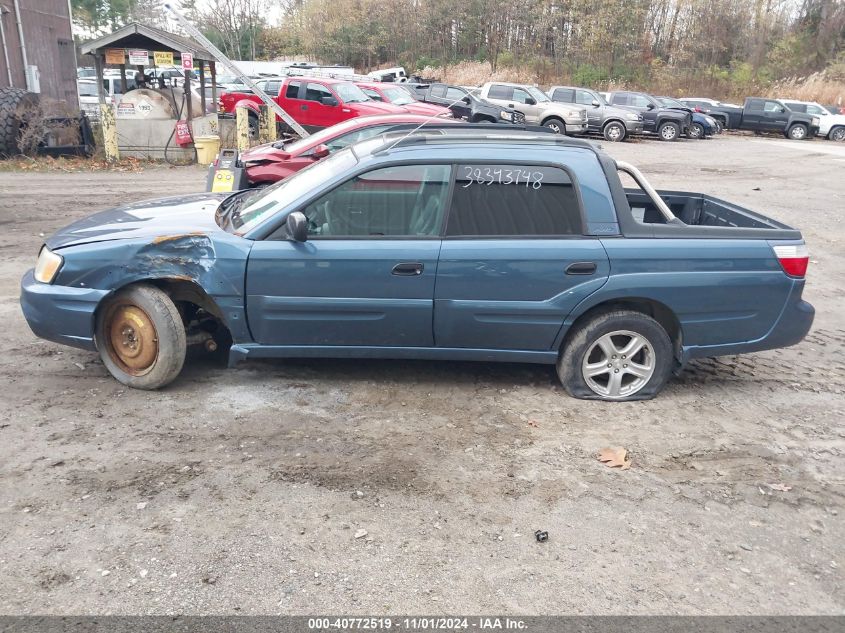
[(482, 133)]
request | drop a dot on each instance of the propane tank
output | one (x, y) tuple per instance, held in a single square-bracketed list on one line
[(152, 103)]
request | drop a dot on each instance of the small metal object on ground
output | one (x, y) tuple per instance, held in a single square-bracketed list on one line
[(541, 535)]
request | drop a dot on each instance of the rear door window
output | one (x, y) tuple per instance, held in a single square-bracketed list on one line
[(292, 91), (563, 95), (513, 200), (498, 91)]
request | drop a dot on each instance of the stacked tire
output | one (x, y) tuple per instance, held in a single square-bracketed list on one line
[(16, 106)]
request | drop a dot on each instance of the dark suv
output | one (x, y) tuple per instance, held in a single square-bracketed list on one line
[(464, 104), (667, 123)]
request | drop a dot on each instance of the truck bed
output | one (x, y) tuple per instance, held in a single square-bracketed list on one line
[(702, 210)]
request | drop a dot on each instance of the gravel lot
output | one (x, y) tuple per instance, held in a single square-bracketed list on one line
[(243, 491)]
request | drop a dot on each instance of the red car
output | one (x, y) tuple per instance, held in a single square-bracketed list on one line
[(315, 103), (390, 93), (269, 163)]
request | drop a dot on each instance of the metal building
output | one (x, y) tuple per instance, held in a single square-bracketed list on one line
[(37, 48)]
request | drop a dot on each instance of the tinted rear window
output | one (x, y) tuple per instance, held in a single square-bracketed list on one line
[(498, 91), (513, 200)]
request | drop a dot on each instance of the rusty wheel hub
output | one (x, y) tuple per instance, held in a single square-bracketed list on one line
[(132, 339)]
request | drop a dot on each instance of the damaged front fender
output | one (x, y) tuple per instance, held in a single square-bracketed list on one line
[(216, 263)]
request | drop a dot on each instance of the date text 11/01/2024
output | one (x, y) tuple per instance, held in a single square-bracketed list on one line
[(417, 624)]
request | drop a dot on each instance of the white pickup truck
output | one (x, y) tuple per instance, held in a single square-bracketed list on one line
[(831, 126), (563, 118)]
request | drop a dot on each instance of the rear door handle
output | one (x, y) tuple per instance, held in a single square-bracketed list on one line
[(408, 269), (303, 107), (581, 268)]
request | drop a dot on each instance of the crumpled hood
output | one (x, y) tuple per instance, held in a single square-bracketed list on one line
[(159, 218), (265, 152)]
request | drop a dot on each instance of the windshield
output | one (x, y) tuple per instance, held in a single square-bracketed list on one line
[(539, 95), (397, 96), (253, 209), (350, 93)]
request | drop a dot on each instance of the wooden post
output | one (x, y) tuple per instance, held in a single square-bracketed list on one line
[(266, 124), (107, 121), (202, 88), (213, 84), (124, 88), (242, 127)]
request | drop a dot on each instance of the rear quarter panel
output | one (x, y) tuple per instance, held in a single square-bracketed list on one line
[(723, 291)]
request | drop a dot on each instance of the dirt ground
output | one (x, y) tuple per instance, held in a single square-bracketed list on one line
[(242, 491)]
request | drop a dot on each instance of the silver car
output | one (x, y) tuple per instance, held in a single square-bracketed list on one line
[(614, 124)]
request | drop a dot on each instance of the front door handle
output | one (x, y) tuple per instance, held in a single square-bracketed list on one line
[(408, 269), (581, 268)]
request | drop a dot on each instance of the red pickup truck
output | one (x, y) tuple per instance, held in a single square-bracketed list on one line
[(314, 103)]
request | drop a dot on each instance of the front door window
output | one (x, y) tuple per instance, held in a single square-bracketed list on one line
[(399, 201)]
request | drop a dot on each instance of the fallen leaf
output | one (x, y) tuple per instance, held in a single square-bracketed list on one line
[(615, 457), (780, 487)]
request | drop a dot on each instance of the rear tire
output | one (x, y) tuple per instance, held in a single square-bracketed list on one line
[(555, 124), (797, 132), (595, 365), (837, 134), (141, 337), (669, 131), (16, 106), (615, 132)]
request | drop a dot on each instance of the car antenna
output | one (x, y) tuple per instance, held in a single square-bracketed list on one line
[(429, 119)]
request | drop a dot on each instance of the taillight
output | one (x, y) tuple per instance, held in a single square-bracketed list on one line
[(793, 258)]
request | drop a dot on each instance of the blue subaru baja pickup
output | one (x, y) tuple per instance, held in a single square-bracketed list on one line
[(472, 245)]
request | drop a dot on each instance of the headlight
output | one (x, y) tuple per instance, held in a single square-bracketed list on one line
[(816, 120), (507, 116), (47, 266), (630, 116)]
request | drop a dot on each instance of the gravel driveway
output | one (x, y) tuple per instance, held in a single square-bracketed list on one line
[(388, 487)]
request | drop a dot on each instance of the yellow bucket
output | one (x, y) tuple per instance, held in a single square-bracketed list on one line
[(207, 148)]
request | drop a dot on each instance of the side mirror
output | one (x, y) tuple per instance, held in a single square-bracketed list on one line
[(650, 106), (530, 101), (329, 101), (466, 100), (596, 103), (297, 226), (321, 151)]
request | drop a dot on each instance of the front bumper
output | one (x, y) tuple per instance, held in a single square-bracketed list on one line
[(634, 127), (60, 313), (578, 127)]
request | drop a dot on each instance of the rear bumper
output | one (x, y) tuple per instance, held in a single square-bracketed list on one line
[(791, 327), (59, 313)]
